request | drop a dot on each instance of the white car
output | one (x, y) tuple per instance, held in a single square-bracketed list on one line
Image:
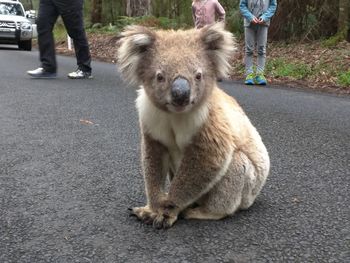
[(16, 26)]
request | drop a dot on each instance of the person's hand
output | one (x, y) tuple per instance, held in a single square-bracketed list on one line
[(261, 21), (255, 20)]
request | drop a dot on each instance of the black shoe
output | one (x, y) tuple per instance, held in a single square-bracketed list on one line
[(40, 73), (79, 74)]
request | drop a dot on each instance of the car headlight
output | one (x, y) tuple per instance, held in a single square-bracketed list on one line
[(26, 26)]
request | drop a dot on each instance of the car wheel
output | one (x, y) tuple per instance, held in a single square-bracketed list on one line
[(25, 45)]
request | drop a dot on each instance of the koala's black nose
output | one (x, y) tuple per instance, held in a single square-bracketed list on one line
[(180, 91)]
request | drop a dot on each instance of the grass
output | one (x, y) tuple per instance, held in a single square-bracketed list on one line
[(280, 67), (344, 78), (334, 40), (110, 29)]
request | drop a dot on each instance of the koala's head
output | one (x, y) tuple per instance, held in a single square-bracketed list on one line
[(177, 69)]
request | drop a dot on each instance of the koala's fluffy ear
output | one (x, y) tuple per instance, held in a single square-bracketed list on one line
[(134, 41), (220, 46)]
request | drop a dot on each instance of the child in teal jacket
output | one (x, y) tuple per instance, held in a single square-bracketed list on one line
[(257, 15)]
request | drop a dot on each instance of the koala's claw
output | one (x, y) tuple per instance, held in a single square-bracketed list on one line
[(164, 221), (144, 214), (159, 220), (131, 213), (167, 215)]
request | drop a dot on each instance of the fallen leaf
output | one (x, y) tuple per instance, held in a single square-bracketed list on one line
[(296, 200), (86, 122)]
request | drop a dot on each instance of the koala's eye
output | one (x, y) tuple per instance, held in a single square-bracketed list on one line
[(198, 76), (160, 77)]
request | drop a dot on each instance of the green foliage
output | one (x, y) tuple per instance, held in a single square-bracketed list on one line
[(180, 10), (59, 32), (282, 68), (110, 29), (167, 23), (334, 40), (297, 19), (149, 21), (344, 78), (240, 68), (234, 22)]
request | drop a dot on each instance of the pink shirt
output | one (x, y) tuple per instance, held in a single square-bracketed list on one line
[(204, 12)]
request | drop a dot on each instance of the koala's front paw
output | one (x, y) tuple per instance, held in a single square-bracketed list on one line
[(167, 215), (145, 214)]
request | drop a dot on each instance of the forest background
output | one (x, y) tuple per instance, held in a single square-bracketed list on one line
[(308, 39)]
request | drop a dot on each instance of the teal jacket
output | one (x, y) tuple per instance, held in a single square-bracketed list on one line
[(246, 8)]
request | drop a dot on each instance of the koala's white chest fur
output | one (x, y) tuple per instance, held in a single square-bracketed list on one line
[(174, 131)]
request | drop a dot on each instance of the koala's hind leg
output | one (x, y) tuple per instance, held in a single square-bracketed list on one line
[(201, 213), (224, 198), (254, 181)]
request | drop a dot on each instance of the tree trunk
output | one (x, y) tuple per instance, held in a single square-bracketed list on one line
[(343, 18), (348, 31), (96, 11), (138, 7)]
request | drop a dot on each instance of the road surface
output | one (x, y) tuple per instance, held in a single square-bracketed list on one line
[(69, 169)]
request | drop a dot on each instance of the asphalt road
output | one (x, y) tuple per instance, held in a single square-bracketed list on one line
[(69, 169)]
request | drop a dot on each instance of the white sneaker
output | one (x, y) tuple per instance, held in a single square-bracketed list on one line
[(79, 74), (41, 73)]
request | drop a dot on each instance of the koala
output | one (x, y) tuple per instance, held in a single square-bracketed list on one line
[(201, 156)]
